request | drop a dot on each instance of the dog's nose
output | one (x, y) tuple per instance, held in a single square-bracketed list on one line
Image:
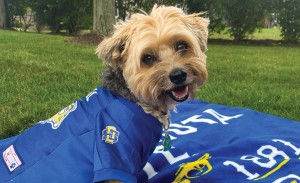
[(177, 76)]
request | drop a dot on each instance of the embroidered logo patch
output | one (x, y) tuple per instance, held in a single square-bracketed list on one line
[(11, 158), (58, 118), (110, 135), (194, 169)]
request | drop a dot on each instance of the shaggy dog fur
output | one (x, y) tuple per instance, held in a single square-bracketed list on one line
[(156, 60)]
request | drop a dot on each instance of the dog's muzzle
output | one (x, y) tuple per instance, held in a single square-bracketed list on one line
[(180, 92)]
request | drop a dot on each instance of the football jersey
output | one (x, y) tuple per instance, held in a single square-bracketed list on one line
[(100, 137), (221, 144)]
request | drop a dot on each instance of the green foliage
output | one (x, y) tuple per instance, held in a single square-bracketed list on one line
[(126, 7), (17, 7), (48, 13), (211, 8), (71, 15), (289, 19), (240, 18), (243, 17), (18, 15), (78, 15)]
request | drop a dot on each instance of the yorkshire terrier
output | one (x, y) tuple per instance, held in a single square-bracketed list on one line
[(153, 62), (156, 60)]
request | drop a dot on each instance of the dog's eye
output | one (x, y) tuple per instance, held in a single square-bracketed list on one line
[(181, 45), (121, 47), (148, 59)]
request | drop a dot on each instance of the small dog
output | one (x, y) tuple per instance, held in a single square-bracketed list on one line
[(156, 60), (152, 63)]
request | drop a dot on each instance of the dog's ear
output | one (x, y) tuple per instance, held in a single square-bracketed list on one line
[(111, 49), (199, 27)]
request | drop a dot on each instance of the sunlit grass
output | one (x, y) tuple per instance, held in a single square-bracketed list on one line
[(41, 74), (264, 78), (262, 34)]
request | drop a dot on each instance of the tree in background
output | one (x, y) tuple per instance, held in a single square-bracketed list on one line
[(243, 17), (71, 15), (238, 17), (211, 9), (49, 13), (78, 15), (126, 7), (4, 20), (289, 19), (104, 16), (20, 14)]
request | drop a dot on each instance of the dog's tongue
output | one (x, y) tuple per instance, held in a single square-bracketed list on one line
[(181, 92)]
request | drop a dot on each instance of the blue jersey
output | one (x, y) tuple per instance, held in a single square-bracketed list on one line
[(220, 144), (100, 137)]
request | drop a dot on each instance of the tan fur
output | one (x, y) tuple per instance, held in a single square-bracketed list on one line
[(156, 34)]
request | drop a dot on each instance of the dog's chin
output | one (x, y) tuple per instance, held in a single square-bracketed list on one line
[(179, 93)]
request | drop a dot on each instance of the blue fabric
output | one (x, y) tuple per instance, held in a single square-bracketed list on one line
[(210, 143), (215, 143), (98, 138)]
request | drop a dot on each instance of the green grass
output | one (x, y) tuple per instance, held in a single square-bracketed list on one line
[(263, 34), (41, 74), (264, 78)]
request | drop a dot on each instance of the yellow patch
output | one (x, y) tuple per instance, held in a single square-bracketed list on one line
[(182, 174), (110, 135), (58, 118)]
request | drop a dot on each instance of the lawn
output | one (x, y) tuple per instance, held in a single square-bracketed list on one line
[(263, 34), (264, 78), (41, 74)]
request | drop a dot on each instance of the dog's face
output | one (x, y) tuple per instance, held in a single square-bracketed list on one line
[(161, 55)]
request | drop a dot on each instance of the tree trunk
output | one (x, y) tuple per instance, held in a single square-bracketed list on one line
[(3, 15), (104, 16)]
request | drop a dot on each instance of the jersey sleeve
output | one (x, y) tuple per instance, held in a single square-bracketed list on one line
[(123, 143), (48, 149)]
